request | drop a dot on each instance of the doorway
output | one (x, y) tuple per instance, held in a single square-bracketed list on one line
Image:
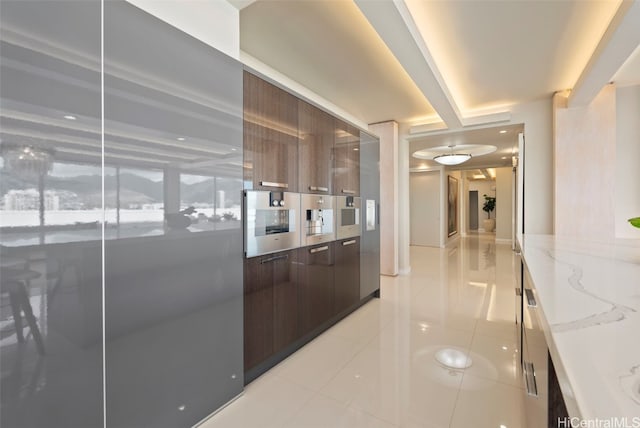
[(473, 210)]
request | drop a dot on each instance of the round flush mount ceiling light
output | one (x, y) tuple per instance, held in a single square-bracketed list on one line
[(453, 358), (454, 154), (452, 158)]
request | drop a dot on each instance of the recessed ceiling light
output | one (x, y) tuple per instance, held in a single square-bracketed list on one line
[(504, 131), (504, 348), (180, 138), (356, 149), (233, 150), (69, 117), (503, 157)]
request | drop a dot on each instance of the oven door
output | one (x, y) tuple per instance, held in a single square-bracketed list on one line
[(348, 216), (272, 222)]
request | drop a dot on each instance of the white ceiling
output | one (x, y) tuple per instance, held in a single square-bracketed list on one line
[(506, 143), (329, 47), (474, 56)]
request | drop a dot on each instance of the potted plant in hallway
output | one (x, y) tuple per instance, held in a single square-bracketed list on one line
[(488, 206)]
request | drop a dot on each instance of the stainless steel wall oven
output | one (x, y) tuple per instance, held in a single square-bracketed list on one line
[(272, 222), (348, 216)]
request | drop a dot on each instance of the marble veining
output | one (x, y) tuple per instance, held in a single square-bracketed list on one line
[(630, 383), (616, 313), (588, 293)]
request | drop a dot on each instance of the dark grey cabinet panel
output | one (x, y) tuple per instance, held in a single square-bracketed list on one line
[(173, 266), (50, 175), (316, 285), (370, 221)]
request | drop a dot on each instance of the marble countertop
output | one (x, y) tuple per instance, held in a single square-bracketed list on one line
[(589, 294)]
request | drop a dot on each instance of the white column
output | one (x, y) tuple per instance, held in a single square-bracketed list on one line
[(404, 215), (389, 196)]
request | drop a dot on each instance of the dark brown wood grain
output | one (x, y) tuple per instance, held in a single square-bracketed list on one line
[(258, 311), (346, 274), (315, 149), (285, 304), (270, 135), (316, 287), (346, 174)]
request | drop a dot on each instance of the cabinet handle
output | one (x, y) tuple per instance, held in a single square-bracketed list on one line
[(273, 259), (318, 189), (272, 184), (530, 379), (349, 192), (518, 292), (352, 241), (319, 249), (531, 300)]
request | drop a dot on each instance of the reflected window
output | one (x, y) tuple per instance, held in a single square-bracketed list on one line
[(211, 202), (57, 202), (134, 202)]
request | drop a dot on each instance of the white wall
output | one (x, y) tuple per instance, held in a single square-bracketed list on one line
[(425, 208), (215, 22), (538, 164), (627, 192), (504, 204)]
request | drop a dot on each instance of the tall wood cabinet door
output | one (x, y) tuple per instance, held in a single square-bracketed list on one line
[(316, 285), (346, 177), (315, 149), (285, 299), (347, 274), (258, 311), (270, 136)]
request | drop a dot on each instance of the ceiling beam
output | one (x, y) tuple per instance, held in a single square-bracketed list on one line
[(395, 26), (617, 44)]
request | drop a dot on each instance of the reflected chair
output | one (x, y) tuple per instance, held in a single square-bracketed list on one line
[(16, 282)]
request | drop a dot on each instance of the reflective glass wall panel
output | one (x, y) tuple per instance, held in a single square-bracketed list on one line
[(50, 214), (161, 194), (173, 251)]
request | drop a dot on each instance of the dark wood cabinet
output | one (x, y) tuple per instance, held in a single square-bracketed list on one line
[(270, 136), (316, 132), (346, 274), (315, 286), (270, 305), (346, 175)]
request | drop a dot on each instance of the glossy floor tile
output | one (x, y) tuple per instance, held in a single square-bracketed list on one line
[(378, 367)]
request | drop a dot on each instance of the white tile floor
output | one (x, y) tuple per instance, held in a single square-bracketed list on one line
[(376, 368)]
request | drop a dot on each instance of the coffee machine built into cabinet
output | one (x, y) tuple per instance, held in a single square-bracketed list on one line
[(318, 219)]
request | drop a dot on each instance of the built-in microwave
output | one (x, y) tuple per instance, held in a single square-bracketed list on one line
[(318, 222), (347, 216), (272, 222)]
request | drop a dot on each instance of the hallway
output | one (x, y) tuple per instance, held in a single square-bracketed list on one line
[(377, 367)]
